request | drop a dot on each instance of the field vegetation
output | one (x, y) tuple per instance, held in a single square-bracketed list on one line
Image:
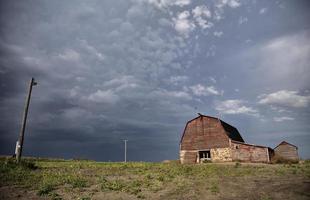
[(82, 179)]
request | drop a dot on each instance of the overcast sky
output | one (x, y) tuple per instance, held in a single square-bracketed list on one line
[(140, 69)]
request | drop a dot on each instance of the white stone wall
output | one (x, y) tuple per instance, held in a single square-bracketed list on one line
[(221, 154)]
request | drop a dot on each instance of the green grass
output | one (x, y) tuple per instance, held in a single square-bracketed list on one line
[(45, 189), (76, 182), (140, 179), (114, 185)]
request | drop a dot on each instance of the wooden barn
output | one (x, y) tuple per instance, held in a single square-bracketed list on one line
[(286, 151), (208, 138)]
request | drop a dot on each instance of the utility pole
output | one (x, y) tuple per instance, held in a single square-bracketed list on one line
[(19, 144), (125, 150)]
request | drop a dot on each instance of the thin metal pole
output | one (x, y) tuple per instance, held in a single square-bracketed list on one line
[(125, 150), (20, 142)]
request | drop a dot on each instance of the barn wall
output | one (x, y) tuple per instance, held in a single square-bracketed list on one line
[(221, 154), (286, 151), (249, 153), (204, 133), (217, 155), (188, 157), (208, 133)]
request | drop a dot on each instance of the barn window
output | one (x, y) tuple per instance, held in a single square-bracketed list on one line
[(204, 155), (237, 147)]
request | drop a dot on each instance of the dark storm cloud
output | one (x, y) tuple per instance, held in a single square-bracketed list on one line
[(139, 69), (13, 68)]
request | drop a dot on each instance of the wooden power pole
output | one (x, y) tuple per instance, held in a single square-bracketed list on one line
[(125, 150), (19, 144)]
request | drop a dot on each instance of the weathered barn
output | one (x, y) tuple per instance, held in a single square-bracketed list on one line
[(286, 151), (209, 138)]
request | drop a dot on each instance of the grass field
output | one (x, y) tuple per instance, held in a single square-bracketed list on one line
[(74, 179)]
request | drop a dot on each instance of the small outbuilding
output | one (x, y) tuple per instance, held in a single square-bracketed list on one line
[(286, 151)]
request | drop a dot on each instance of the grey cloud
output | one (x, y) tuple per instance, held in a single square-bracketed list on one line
[(110, 70)]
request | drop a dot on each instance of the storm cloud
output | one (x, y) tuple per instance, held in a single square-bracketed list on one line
[(140, 69)]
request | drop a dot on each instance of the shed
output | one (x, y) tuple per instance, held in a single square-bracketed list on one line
[(286, 151)]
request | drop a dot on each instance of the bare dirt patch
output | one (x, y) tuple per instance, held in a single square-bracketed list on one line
[(14, 192)]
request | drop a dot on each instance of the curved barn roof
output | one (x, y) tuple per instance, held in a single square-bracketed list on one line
[(230, 130)]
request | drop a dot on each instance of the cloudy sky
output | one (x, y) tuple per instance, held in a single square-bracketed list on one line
[(140, 69)]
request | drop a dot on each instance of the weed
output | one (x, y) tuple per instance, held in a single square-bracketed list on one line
[(280, 160), (24, 164), (84, 198), (280, 171), (155, 186), (114, 185), (214, 188), (77, 182), (55, 196), (22, 173), (140, 196), (237, 164), (148, 177), (186, 170), (265, 197), (28, 165), (45, 189), (161, 178), (134, 187)]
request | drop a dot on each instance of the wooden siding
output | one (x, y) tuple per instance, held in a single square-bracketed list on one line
[(249, 153), (188, 157), (286, 151), (204, 133)]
